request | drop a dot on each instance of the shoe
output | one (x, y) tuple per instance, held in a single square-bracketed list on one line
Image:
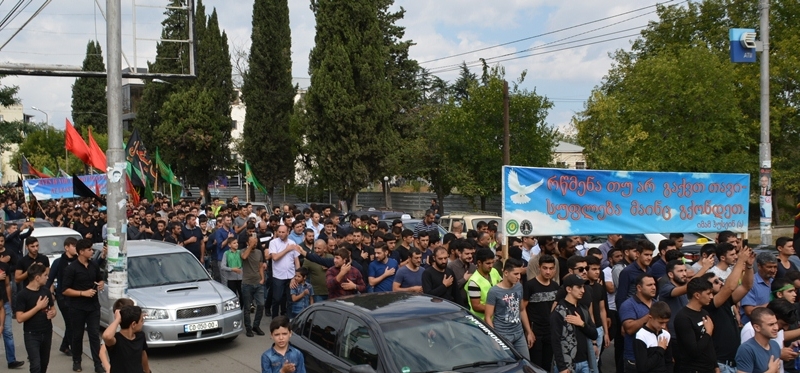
[(99, 370), (249, 333), (66, 351), (252, 308), (258, 331), (15, 364), (76, 367)]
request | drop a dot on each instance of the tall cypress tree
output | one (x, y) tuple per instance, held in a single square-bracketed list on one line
[(195, 118), (349, 104), (171, 58), (89, 94), (268, 92)]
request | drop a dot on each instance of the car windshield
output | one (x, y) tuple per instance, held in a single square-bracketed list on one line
[(439, 343), (164, 269), (53, 245)]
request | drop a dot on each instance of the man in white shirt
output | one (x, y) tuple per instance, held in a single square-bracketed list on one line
[(529, 248), (285, 260), (315, 224), (726, 255)]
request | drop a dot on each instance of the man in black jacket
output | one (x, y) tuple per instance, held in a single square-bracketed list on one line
[(438, 279), (572, 328)]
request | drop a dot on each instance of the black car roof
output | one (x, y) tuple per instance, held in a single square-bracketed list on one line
[(387, 307)]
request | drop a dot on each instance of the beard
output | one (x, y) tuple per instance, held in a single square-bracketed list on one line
[(442, 268)]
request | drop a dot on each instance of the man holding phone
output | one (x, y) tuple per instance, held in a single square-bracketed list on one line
[(342, 278)]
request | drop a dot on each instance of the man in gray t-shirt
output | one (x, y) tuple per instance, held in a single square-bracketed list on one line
[(252, 285), (504, 309)]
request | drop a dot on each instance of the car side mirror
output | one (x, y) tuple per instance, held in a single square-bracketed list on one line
[(362, 369)]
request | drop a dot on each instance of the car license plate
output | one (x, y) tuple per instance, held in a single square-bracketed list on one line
[(188, 328)]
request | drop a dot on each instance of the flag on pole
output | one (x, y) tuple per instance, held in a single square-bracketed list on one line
[(75, 144), (26, 168), (98, 157), (250, 178), (166, 171), (136, 154), (79, 188), (47, 172)]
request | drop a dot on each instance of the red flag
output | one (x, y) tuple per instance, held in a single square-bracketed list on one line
[(132, 191), (97, 157), (75, 144), (27, 169)]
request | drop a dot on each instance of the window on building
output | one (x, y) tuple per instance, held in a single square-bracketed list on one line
[(561, 164), (234, 125), (580, 165)]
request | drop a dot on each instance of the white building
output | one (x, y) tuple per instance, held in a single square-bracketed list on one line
[(567, 155), (12, 113)]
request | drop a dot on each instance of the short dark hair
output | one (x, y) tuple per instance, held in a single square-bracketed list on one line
[(32, 240), (423, 234), (573, 261), (784, 310), (511, 264), (672, 264), (414, 251), (546, 259), (722, 249), (70, 241), (483, 254), (122, 302), (779, 283), (82, 244), (673, 255), (36, 269), (279, 322), (708, 249), (697, 285), (407, 233), (448, 238), (343, 253), (129, 315), (782, 241), (725, 235), (644, 245), (675, 236), (792, 275), (660, 310), (759, 313), (593, 251), (640, 279), (664, 244), (303, 271)]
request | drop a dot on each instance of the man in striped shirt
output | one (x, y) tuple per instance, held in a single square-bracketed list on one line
[(427, 224)]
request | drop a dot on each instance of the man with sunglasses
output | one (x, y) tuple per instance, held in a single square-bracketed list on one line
[(726, 339)]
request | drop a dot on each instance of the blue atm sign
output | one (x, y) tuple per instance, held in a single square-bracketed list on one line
[(742, 45)]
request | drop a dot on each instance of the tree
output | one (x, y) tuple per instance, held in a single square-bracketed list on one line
[(268, 144), (171, 58), (349, 113), (89, 93), (43, 146), (477, 122)]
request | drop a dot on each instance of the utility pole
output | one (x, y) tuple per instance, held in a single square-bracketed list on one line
[(764, 150), (506, 152), (118, 275)]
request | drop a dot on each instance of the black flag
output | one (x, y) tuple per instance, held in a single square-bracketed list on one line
[(80, 189)]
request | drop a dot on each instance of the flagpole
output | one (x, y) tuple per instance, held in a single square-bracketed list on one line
[(170, 195), (247, 190)]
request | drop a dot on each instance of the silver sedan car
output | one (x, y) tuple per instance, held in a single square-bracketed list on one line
[(180, 301)]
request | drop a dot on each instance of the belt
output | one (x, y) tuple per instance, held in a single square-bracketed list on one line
[(631, 362), (730, 363)]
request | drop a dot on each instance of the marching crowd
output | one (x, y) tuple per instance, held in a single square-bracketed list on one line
[(558, 302)]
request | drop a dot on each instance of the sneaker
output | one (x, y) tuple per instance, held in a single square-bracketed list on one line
[(249, 333), (258, 331), (66, 351), (15, 364), (76, 367), (99, 370)]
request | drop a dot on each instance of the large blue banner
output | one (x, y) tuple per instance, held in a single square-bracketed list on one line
[(548, 201), (61, 187)]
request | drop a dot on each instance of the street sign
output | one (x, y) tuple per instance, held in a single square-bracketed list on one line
[(743, 45)]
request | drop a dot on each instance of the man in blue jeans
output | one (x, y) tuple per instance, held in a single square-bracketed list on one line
[(5, 293), (253, 285)]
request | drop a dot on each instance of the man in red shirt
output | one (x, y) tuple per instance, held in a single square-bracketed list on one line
[(342, 278)]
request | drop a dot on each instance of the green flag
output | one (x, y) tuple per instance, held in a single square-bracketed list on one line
[(252, 179), (166, 171), (47, 172)]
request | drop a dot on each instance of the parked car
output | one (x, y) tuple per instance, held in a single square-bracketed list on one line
[(468, 220), (37, 223), (692, 242), (51, 240), (400, 332), (181, 303), (382, 214)]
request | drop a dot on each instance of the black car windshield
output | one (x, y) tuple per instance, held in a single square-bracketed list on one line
[(438, 343), (164, 269)]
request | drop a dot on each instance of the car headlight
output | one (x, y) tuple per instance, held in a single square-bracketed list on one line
[(231, 305), (155, 314)]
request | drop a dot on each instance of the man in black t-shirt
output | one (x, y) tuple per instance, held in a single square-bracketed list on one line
[(35, 310), (21, 275), (726, 338), (538, 298), (127, 348), (82, 282), (694, 329)]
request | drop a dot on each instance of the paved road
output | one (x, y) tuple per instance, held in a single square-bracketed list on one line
[(241, 355)]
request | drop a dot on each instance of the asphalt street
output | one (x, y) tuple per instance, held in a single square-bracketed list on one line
[(241, 355)]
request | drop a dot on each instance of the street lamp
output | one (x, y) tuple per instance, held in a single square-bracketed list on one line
[(46, 116)]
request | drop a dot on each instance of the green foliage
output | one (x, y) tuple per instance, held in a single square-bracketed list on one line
[(349, 126), (190, 118), (268, 143), (89, 94), (44, 147)]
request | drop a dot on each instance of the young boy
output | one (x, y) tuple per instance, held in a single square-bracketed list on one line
[(118, 304), (127, 348), (282, 357), (35, 310), (303, 294), (651, 346)]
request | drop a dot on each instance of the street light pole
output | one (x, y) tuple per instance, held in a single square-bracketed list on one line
[(46, 116), (764, 150)]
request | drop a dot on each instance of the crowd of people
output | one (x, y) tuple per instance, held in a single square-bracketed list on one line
[(557, 301)]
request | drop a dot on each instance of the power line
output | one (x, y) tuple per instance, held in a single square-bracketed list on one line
[(552, 32), (541, 53)]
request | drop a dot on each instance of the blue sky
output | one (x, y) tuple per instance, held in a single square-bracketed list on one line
[(440, 28)]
